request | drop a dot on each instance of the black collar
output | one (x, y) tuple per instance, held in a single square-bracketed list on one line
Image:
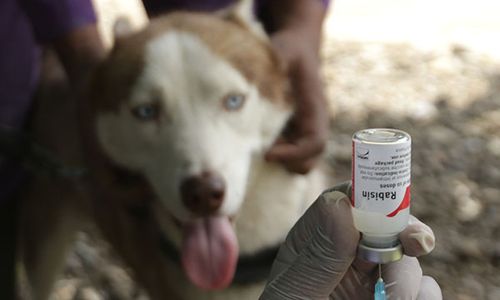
[(250, 268)]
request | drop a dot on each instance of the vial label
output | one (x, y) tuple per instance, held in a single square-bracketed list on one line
[(381, 171)]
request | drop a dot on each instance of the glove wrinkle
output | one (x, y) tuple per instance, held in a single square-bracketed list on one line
[(355, 285), (317, 282), (312, 267)]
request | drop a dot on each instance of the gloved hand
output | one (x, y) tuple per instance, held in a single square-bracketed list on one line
[(318, 259)]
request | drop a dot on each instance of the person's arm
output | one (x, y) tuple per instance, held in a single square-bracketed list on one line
[(80, 50), (295, 30), (304, 16), (70, 27)]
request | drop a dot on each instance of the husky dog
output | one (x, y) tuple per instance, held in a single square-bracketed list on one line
[(179, 117)]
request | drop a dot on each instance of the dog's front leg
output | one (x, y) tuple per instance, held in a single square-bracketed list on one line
[(50, 215), (135, 237)]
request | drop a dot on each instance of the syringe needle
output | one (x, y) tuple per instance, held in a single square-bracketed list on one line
[(380, 286)]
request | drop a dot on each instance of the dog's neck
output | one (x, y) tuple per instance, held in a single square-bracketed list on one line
[(250, 269)]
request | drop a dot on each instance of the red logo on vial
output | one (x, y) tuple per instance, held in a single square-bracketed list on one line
[(404, 204)]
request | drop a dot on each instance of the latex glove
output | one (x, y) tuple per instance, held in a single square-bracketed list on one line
[(304, 138), (318, 259)]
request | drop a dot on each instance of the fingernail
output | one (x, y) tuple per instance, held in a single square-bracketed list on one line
[(335, 197), (425, 239)]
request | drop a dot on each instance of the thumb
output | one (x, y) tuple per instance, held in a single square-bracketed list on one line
[(317, 252)]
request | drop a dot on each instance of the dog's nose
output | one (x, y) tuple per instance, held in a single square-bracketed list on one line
[(203, 194)]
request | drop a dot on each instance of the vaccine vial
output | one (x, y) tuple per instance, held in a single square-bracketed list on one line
[(381, 173)]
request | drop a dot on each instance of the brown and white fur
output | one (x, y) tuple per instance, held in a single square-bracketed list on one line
[(190, 95)]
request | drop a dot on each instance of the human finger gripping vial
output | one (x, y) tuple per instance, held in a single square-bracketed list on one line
[(381, 173)]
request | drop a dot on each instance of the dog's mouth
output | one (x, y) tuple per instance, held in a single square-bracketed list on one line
[(209, 251)]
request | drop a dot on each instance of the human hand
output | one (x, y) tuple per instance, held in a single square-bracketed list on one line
[(304, 138), (318, 259)]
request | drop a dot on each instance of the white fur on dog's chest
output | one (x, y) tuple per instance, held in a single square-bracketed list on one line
[(275, 200)]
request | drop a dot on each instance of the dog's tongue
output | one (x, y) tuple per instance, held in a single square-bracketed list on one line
[(210, 252)]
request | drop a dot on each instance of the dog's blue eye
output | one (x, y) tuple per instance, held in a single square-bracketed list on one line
[(146, 112), (234, 101)]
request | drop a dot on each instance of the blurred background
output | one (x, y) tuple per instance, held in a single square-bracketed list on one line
[(431, 68)]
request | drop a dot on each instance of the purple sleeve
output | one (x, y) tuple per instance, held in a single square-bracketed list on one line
[(52, 18), (154, 7)]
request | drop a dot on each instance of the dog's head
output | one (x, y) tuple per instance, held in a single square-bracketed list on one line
[(188, 103)]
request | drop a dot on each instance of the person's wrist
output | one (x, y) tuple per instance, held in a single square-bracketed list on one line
[(292, 46), (306, 68)]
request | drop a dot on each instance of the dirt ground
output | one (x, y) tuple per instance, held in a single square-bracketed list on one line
[(450, 103)]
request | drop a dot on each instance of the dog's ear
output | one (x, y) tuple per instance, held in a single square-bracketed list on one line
[(243, 14)]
